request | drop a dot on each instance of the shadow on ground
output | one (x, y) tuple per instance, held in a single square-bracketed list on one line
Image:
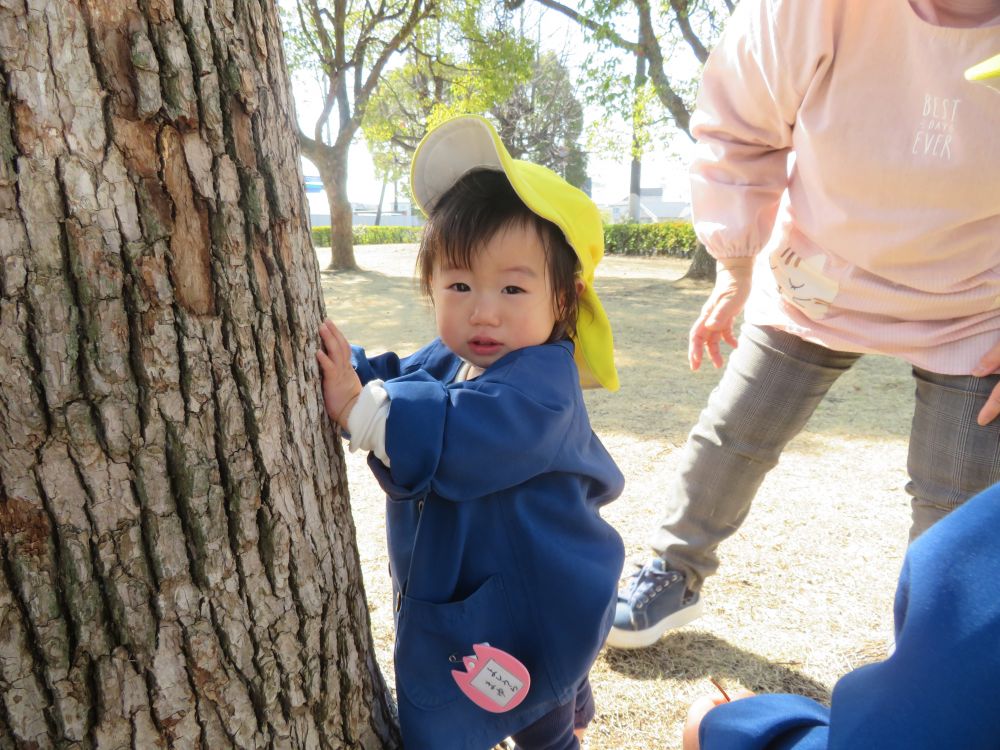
[(695, 655)]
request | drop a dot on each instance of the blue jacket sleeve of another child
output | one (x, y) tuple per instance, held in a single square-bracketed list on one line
[(937, 690), (766, 722)]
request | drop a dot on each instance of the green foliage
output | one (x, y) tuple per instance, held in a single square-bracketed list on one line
[(321, 236), (675, 238), (298, 42), (542, 121), (370, 235), (463, 61), (651, 107), (393, 123), (496, 60)]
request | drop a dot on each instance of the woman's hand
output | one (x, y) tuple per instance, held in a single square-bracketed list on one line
[(697, 711), (724, 304), (341, 385), (987, 366)]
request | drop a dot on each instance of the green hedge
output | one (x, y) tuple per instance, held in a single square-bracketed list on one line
[(674, 238), (366, 235), (369, 235), (321, 236)]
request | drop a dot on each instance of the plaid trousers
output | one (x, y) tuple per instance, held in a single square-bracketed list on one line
[(771, 386)]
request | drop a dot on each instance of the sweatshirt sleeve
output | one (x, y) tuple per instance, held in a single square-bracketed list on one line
[(366, 422), (435, 358), (766, 722), (752, 86), (381, 367)]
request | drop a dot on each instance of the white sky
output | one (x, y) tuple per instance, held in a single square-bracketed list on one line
[(662, 166)]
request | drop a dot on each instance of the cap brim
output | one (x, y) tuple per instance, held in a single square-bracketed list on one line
[(450, 151), (988, 72)]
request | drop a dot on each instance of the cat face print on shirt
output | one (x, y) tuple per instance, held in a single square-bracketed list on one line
[(802, 281)]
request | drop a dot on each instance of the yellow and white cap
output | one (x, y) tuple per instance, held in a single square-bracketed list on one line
[(988, 72), (462, 144)]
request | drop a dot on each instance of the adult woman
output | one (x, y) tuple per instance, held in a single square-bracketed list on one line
[(847, 170)]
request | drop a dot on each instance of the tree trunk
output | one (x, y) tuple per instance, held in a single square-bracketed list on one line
[(635, 176), (331, 162), (381, 200), (341, 220), (635, 189), (178, 565), (702, 266)]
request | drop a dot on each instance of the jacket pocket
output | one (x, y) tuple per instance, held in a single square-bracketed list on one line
[(433, 638)]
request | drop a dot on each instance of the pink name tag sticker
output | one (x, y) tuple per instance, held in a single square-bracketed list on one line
[(493, 679)]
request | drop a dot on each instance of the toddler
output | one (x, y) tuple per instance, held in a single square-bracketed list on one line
[(503, 571)]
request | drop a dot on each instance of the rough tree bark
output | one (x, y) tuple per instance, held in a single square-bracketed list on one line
[(177, 559)]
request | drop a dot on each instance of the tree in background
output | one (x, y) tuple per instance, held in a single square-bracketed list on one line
[(464, 61), (481, 67), (667, 32), (178, 566), (676, 32), (542, 120), (346, 45)]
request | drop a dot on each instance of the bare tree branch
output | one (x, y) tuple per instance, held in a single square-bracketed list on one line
[(670, 99), (362, 92), (648, 46), (680, 8), (602, 30), (322, 50), (352, 55)]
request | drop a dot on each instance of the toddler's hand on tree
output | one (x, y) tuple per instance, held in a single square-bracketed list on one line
[(341, 385)]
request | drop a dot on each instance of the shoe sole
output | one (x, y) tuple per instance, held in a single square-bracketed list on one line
[(632, 639)]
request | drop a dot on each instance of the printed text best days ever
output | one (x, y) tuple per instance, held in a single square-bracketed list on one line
[(936, 134)]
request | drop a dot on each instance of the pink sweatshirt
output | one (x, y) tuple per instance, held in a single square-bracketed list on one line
[(887, 238)]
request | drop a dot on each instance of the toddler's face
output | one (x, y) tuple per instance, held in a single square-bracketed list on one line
[(501, 304)]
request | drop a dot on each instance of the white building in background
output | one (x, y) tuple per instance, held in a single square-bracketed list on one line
[(653, 207), (319, 209), (394, 213)]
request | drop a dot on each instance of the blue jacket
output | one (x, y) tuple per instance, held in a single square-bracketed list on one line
[(494, 533), (938, 689)]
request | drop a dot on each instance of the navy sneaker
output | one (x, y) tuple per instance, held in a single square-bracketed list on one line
[(654, 601)]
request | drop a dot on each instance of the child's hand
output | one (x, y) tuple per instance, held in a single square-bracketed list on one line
[(341, 385)]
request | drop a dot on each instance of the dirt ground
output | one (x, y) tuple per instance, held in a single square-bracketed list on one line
[(804, 592)]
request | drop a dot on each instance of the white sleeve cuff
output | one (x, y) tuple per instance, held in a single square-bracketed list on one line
[(366, 422)]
